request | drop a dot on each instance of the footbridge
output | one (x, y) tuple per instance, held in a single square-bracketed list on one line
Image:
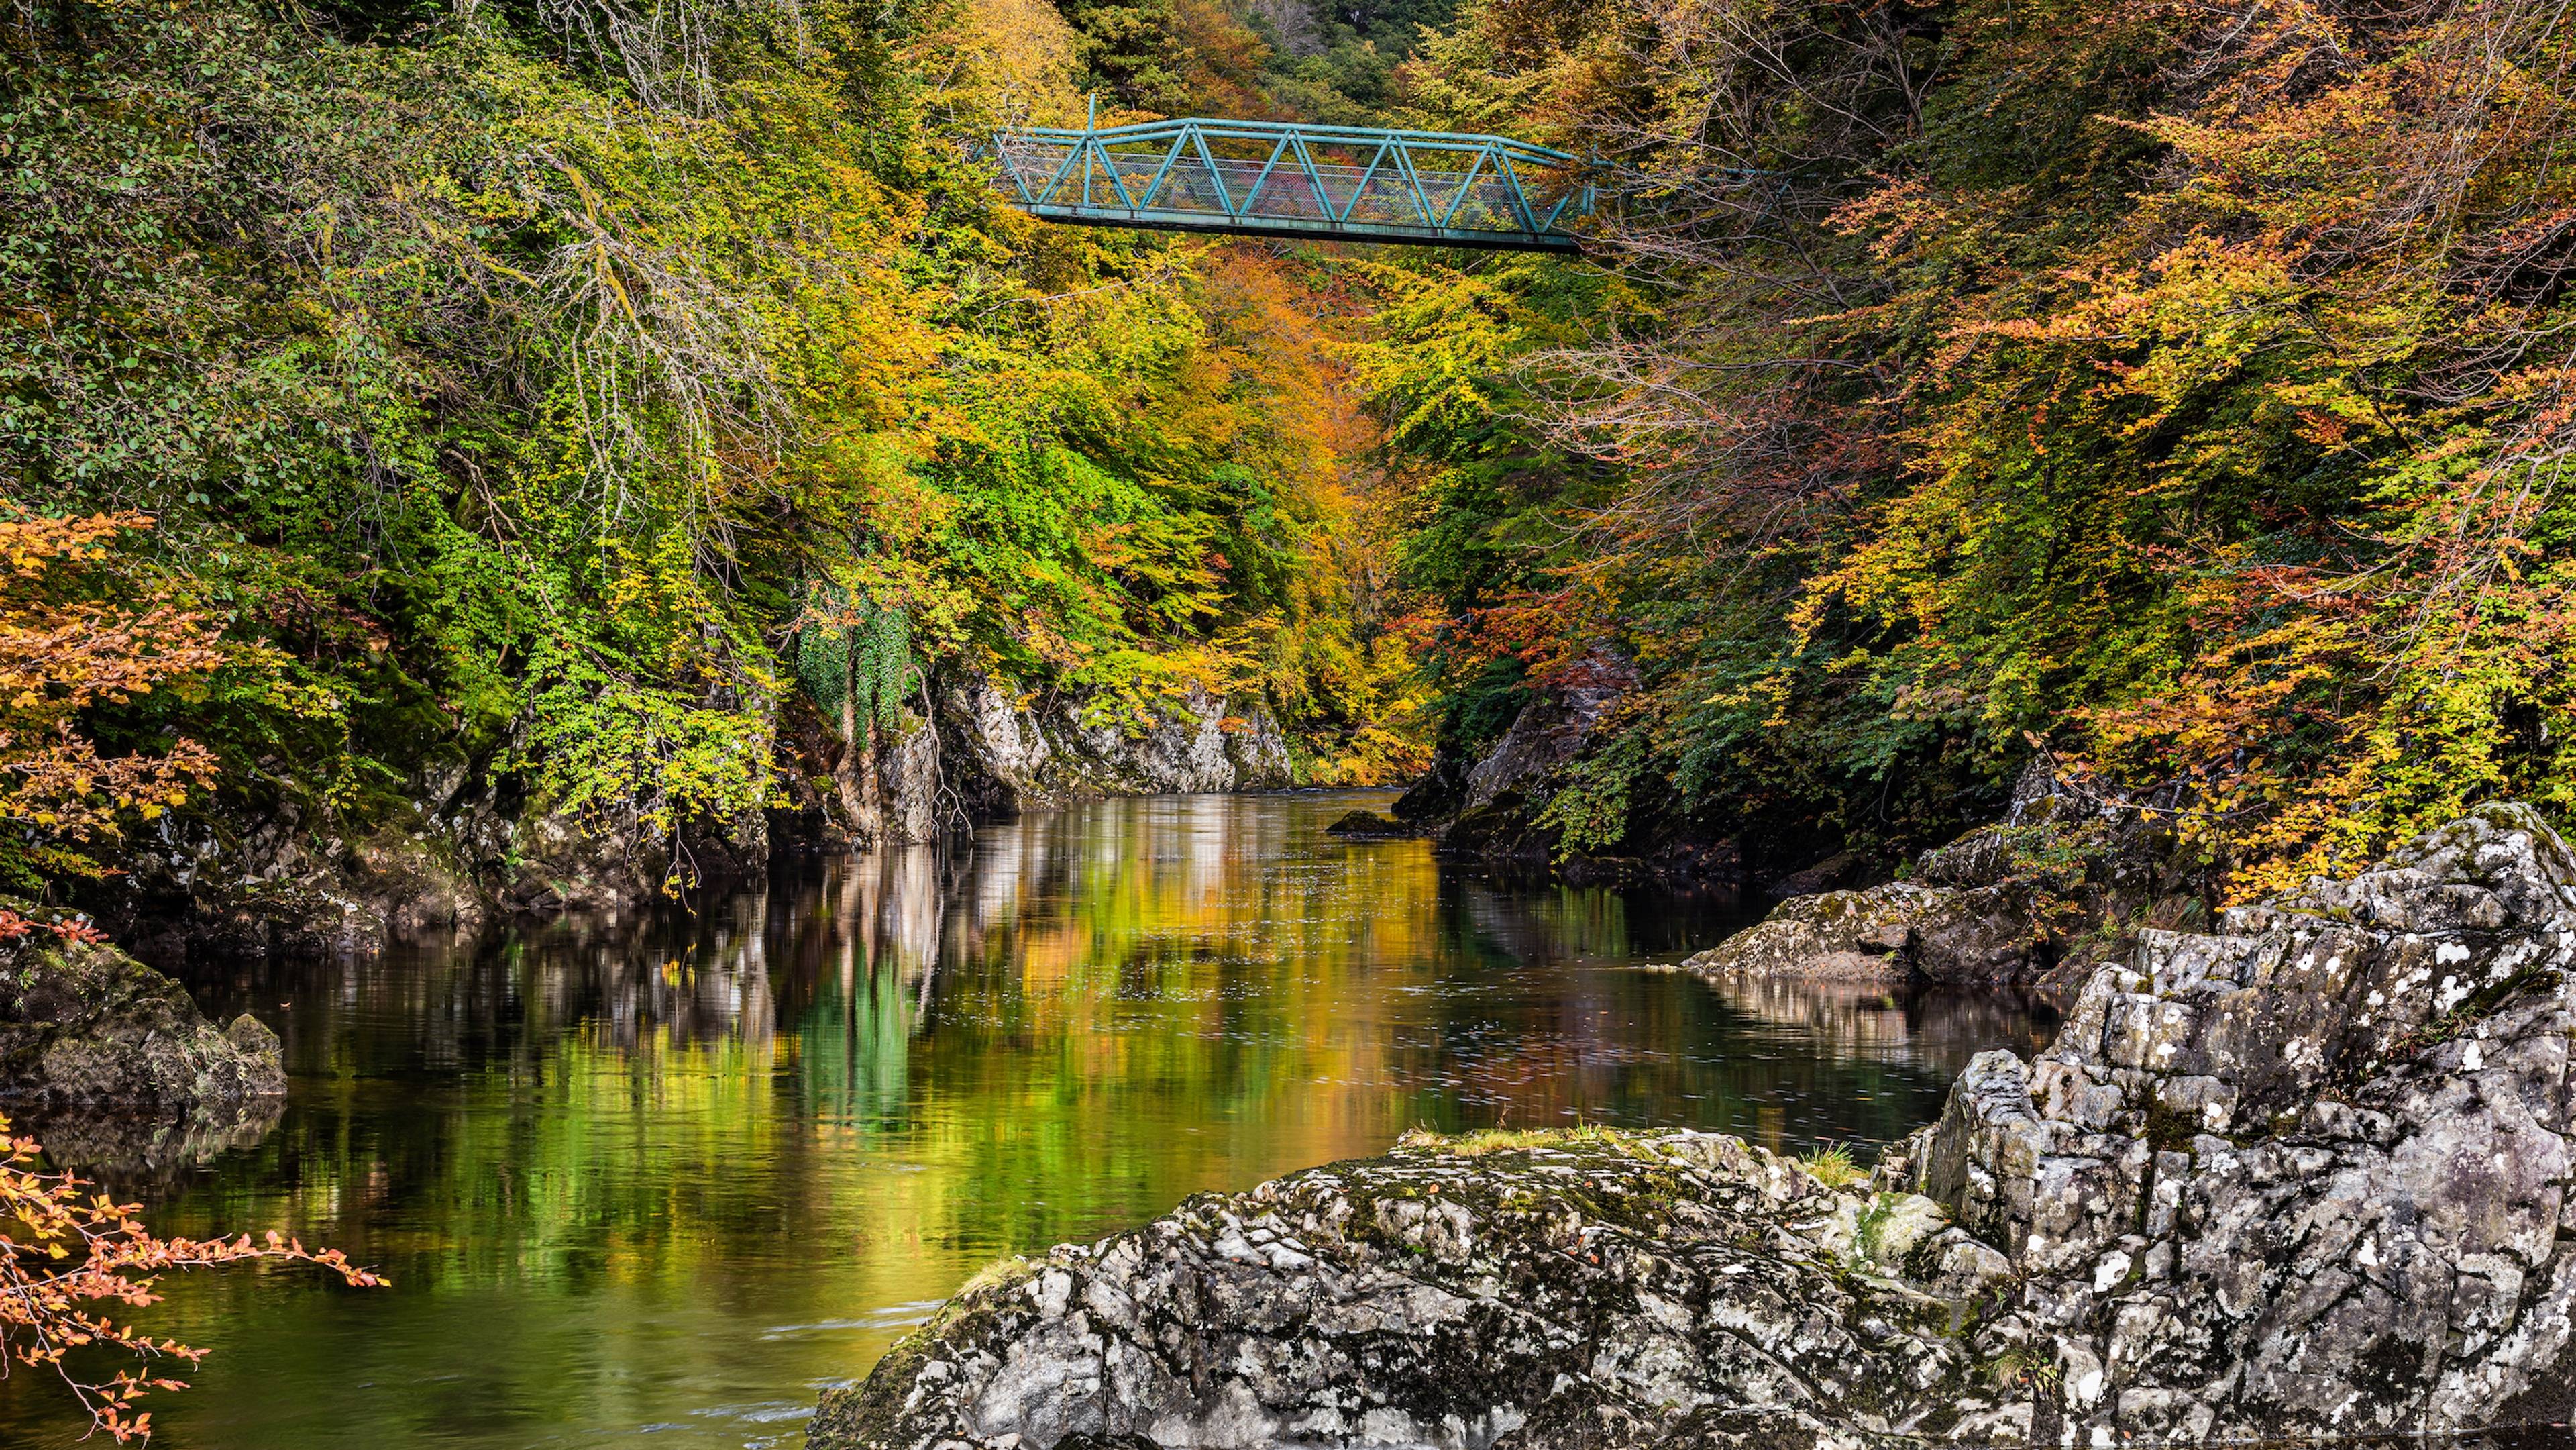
[(1288, 179)]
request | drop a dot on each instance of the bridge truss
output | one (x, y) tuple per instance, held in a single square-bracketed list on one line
[(1286, 179)]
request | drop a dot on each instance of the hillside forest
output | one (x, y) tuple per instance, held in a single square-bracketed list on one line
[(651, 406)]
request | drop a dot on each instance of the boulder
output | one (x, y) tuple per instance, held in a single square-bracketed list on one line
[(1511, 1289), (83, 1025), (1892, 933), (2307, 1175), (1368, 826), (2041, 896), (1487, 807)]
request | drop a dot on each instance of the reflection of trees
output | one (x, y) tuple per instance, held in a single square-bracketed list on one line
[(847, 1092), (620, 982), (1123, 992), (1939, 1026)]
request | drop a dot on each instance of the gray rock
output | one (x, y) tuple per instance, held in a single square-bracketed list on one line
[(2314, 1167), (2307, 1176), (2039, 897), (1533, 1289), (1895, 932), (1012, 754)]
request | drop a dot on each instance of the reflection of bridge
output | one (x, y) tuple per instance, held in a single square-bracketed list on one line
[(1280, 179)]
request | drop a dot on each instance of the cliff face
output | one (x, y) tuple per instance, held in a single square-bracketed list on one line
[(2310, 1170), (2306, 1174), (982, 752), (1020, 754), (1486, 804)]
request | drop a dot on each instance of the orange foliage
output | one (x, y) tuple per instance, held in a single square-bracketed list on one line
[(63, 1250), (62, 652)]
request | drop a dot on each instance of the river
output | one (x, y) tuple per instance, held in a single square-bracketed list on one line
[(657, 1181)]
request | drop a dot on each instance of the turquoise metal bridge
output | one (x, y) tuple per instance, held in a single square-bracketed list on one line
[(1283, 179)]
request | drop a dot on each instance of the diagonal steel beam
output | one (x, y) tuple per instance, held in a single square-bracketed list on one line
[(1497, 164)]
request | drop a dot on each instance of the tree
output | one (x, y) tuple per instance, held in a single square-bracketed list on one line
[(64, 647)]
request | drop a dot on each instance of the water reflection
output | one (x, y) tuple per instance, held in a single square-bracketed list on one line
[(669, 1174), (1939, 1029)]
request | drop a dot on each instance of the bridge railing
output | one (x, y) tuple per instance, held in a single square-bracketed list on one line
[(1272, 178)]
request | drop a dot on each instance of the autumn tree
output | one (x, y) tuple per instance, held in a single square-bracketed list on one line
[(76, 634), (2181, 388)]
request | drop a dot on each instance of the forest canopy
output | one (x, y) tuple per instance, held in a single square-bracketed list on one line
[(2174, 394), (540, 381), (2179, 393)]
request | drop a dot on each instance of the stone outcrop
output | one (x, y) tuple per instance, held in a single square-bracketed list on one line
[(461, 844), (1011, 754), (2043, 895), (1486, 807), (2305, 1175), (1591, 1288), (83, 1025), (2309, 1173)]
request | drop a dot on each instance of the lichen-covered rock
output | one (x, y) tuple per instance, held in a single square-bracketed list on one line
[(1830, 936), (84, 1025), (1531, 1289), (1892, 933), (2305, 1176), (1012, 755), (2043, 895)]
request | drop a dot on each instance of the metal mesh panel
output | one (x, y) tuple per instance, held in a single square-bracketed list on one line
[(1388, 198)]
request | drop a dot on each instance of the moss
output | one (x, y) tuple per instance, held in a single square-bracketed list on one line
[(1516, 1140), (2169, 1131), (996, 1274)]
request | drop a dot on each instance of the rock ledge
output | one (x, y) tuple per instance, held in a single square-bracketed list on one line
[(2307, 1175)]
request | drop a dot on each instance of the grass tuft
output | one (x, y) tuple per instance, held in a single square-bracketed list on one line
[(1834, 1167)]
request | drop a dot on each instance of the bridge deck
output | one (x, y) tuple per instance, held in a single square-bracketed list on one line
[(1271, 178)]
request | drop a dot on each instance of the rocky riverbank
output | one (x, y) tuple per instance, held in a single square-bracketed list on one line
[(463, 841), (2304, 1174), (2057, 887)]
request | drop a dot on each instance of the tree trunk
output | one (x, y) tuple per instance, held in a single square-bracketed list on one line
[(857, 777)]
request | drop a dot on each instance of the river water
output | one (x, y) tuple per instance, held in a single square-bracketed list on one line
[(657, 1182)]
